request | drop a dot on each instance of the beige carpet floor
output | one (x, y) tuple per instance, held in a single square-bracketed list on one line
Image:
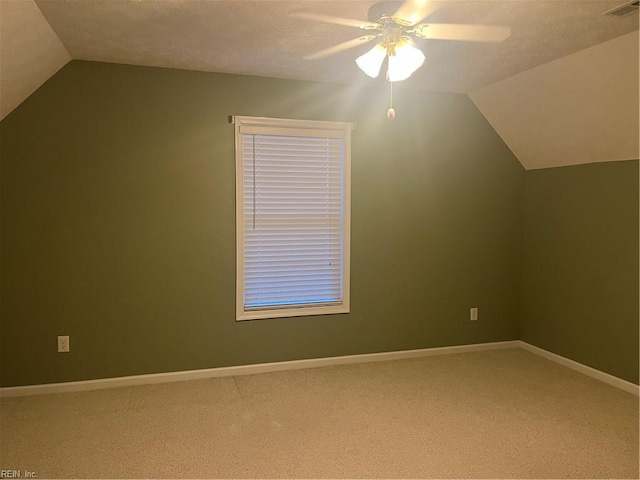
[(494, 414)]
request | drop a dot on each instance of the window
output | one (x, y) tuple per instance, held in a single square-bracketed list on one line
[(292, 217)]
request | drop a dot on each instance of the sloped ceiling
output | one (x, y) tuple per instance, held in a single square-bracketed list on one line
[(30, 52), (582, 108), (258, 37)]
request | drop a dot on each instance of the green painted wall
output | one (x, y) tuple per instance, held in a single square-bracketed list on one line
[(580, 265), (118, 224)]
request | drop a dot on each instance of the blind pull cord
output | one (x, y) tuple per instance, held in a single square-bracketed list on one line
[(254, 182)]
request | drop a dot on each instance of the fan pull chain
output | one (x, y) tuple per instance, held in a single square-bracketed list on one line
[(391, 113)]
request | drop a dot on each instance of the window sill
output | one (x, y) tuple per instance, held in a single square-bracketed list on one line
[(291, 312)]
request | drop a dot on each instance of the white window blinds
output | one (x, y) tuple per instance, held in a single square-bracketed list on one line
[(293, 258)]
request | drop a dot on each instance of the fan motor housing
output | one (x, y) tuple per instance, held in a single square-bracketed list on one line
[(381, 11)]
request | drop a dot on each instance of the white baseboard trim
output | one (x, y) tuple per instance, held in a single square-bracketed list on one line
[(154, 378), (579, 367)]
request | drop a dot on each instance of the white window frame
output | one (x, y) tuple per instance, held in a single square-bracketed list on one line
[(289, 127)]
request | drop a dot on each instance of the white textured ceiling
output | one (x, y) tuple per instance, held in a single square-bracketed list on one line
[(257, 37)]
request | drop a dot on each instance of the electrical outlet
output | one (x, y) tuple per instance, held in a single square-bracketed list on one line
[(473, 314), (63, 343)]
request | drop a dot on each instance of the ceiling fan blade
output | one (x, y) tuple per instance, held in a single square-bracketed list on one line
[(462, 32), (340, 47), (347, 22), (414, 11)]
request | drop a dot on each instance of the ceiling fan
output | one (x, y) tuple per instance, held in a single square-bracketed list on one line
[(394, 25)]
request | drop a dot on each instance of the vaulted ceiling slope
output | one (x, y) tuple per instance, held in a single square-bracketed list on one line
[(554, 90), (30, 52), (582, 108)]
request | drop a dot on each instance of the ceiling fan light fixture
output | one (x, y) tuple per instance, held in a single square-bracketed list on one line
[(407, 60), (371, 62)]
